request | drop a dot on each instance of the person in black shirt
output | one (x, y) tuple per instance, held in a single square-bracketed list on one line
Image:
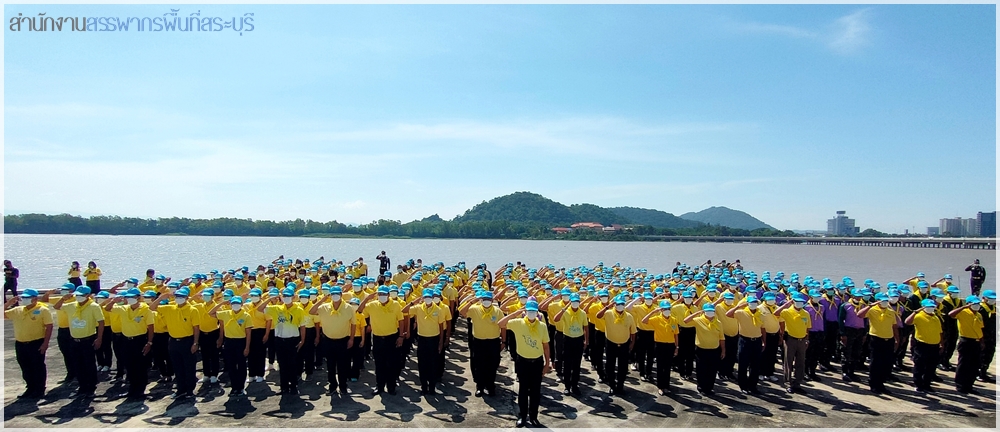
[(978, 276), (10, 275), (383, 263)]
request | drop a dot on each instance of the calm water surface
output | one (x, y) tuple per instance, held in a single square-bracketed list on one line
[(44, 259)]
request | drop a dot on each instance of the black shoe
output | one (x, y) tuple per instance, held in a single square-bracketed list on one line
[(345, 391), (746, 392), (377, 392), (479, 392), (815, 378), (392, 392), (535, 423), (846, 378), (576, 390), (489, 392), (521, 423), (612, 392), (565, 392)]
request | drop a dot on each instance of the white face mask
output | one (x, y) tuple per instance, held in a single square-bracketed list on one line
[(575, 305), (620, 308), (357, 289), (236, 307), (771, 302), (383, 298), (688, 300), (132, 301), (991, 302), (532, 315), (336, 297), (428, 301), (394, 295), (711, 295), (487, 303), (254, 299), (975, 307), (710, 314), (675, 296), (883, 303), (206, 298), (157, 282), (286, 300), (81, 299), (312, 297), (649, 302), (604, 300), (24, 301), (180, 300), (799, 305), (729, 302), (565, 298), (666, 312), (129, 285), (894, 300), (437, 300), (753, 306), (929, 310)]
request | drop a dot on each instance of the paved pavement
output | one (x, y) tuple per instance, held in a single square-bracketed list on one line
[(828, 404)]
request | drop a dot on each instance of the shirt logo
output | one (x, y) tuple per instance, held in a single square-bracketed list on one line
[(239, 321), (78, 323), (36, 312), (138, 319)]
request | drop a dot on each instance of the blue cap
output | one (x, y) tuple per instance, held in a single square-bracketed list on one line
[(574, 297), (383, 290), (708, 307), (664, 304), (304, 293), (972, 299), (881, 297), (752, 299), (174, 284), (936, 292), (183, 292), (336, 290), (132, 280), (217, 284), (28, 293), (149, 294), (128, 294), (236, 300), (927, 303), (82, 290), (208, 291), (427, 292), (288, 292), (619, 299), (160, 277), (313, 291), (134, 291), (291, 285), (647, 295), (256, 291), (728, 296), (531, 305), (814, 293), (799, 298), (920, 274), (990, 294), (769, 296)]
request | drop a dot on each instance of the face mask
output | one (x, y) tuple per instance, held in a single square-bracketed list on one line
[(649, 302), (729, 302), (129, 285), (236, 307), (206, 298), (131, 301), (620, 308), (437, 300), (357, 289), (711, 295), (532, 315), (991, 302), (799, 305), (575, 305), (383, 298), (604, 300), (894, 300), (665, 312), (688, 300), (254, 299), (523, 300), (675, 296), (24, 301), (180, 300), (770, 302), (487, 303), (710, 314), (883, 303), (923, 290), (81, 299), (312, 298), (393, 295), (286, 300), (975, 307), (565, 298), (428, 301), (752, 306), (157, 282), (929, 310)]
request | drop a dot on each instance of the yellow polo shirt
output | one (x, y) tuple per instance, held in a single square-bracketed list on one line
[(62, 320), (83, 320), (573, 323), (258, 319), (180, 320), (484, 321), (679, 311), (133, 322), (234, 323), (530, 337), (336, 322), (359, 326), (384, 319), (159, 325), (970, 324), (592, 311), (770, 320), (286, 319), (730, 327), (429, 319), (880, 321), (554, 309), (665, 328), (619, 327), (708, 332), (205, 321), (639, 311), (749, 322), (112, 320), (92, 274), (927, 327), (29, 324), (797, 322)]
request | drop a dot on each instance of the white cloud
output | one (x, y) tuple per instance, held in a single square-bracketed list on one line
[(845, 35)]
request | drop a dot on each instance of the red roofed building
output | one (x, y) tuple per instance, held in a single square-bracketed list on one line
[(588, 225), (560, 230)]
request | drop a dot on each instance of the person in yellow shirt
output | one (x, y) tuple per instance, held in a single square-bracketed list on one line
[(307, 355), (286, 317), (32, 331), (135, 341), (160, 354), (430, 321), (620, 329), (794, 333), (92, 276), (235, 340), (551, 306), (772, 324), (730, 327), (112, 329), (709, 342), (86, 325), (74, 273), (752, 342), (883, 336), (532, 362), (182, 320), (665, 332), (337, 323), (485, 344), (63, 339), (645, 348), (358, 351), (927, 344), (597, 337), (686, 337), (572, 323), (388, 332), (258, 322), (210, 335), (970, 344)]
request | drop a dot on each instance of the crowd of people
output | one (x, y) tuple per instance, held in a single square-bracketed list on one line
[(706, 323)]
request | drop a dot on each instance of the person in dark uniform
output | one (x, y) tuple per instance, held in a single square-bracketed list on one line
[(978, 276), (383, 263), (10, 275)]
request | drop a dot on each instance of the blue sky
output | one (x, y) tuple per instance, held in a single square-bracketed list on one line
[(357, 113)]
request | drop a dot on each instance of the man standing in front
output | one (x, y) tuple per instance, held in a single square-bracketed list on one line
[(337, 325), (430, 321), (978, 276), (751, 344), (884, 335), (970, 344), (620, 330), (86, 324), (485, 344), (182, 322), (388, 332), (795, 324), (532, 360), (136, 339), (32, 331)]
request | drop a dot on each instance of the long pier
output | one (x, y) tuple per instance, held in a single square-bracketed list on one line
[(914, 242)]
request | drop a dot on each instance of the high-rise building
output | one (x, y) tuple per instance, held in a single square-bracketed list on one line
[(841, 225), (951, 227), (986, 224), (933, 231), (969, 228)]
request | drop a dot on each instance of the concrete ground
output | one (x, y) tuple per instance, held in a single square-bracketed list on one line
[(828, 404)]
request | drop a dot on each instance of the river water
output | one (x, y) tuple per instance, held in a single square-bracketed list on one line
[(44, 259)]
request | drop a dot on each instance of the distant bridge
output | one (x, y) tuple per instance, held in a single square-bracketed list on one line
[(946, 243)]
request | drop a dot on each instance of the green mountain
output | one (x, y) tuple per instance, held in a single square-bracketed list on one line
[(601, 215), (726, 217), (654, 218), (520, 207)]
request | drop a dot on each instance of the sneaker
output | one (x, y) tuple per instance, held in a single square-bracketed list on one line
[(634, 367), (268, 367), (260, 379)]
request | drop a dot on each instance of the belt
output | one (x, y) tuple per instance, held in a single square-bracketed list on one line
[(750, 338), (134, 337), (793, 337), (970, 339), (85, 338), (182, 338)]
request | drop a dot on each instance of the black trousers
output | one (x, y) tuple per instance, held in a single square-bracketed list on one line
[(258, 352), (831, 337), (616, 368), (338, 362), (512, 347), (950, 339), (769, 356), (439, 372), (925, 359), (84, 363), (357, 355), (307, 355), (645, 352), (65, 342), (95, 287), (988, 353), (185, 363), (32, 365), (852, 349), (727, 365), (104, 353), (664, 360), (685, 353), (553, 345), (386, 361), (427, 360), (134, 363), (76, 281), (882, 358), (485, 360), (976, 285), (904, 341), (287, 355), (119, 348), (161, 355), (209, 353), (236, 362), (708, 366), (597, 341), (272, 353), (814, 351), (572, 357), (969, 358), (529, 386), (749, 352)]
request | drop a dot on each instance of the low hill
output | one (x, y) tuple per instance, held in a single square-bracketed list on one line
[(726, 217), (520, 207), (654, 218), (601, 215)]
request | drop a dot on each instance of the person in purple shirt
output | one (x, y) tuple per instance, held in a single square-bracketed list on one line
[(831, 307), (852, 334), (816, 334)]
